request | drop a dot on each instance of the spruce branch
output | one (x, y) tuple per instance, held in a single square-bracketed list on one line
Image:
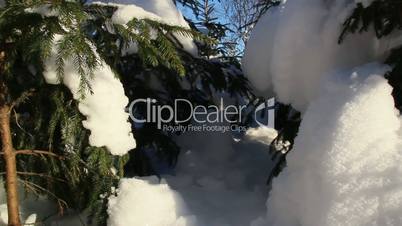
[(39, 153), (40, 175)]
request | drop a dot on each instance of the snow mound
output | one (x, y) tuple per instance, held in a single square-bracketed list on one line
[(295, 44), (104, 108), (145, 202), (345, 168)]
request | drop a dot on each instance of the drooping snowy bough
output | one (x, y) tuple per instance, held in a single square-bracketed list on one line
[(296, 44), (345, 166), (105, 102), (104, 107)]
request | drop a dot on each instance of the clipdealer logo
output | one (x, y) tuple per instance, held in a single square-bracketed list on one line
[(206, 118)]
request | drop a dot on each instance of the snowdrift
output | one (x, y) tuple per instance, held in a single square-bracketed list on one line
[(345, 168)]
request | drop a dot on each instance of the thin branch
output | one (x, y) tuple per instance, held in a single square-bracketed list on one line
[(39, 153), (40, 175), (37, 174), (34, 187), (22, 98), (18, 124)]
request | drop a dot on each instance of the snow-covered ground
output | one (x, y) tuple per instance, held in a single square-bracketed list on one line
[(218, 182)]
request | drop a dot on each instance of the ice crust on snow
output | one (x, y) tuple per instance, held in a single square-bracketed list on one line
[(104, 108), (216, 183), (295, 44), (346, 164)]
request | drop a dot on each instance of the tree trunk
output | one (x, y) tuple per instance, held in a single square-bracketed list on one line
[(8, 153), (11, 167)]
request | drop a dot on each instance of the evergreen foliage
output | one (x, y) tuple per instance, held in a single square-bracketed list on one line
[(205, 20), (46, 117)]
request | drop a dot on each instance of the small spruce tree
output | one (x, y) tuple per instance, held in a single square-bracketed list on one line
[(56, 160)]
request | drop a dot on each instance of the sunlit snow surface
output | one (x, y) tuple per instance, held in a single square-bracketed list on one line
[(345, 168)]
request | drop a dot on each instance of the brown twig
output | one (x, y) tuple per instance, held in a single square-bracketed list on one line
[(38, 152), (34, 187), (23, 97), (18, 124)]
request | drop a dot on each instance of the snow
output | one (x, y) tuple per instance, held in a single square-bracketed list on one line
[(157, 10), (365, 3), (125, 13), (44, 10), (104, 108), (345, 167), (31, 220), (218, 182), (262, 134), (295, 44), (159, 204)]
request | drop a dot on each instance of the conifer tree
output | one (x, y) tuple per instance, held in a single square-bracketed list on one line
[(46, 134)]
